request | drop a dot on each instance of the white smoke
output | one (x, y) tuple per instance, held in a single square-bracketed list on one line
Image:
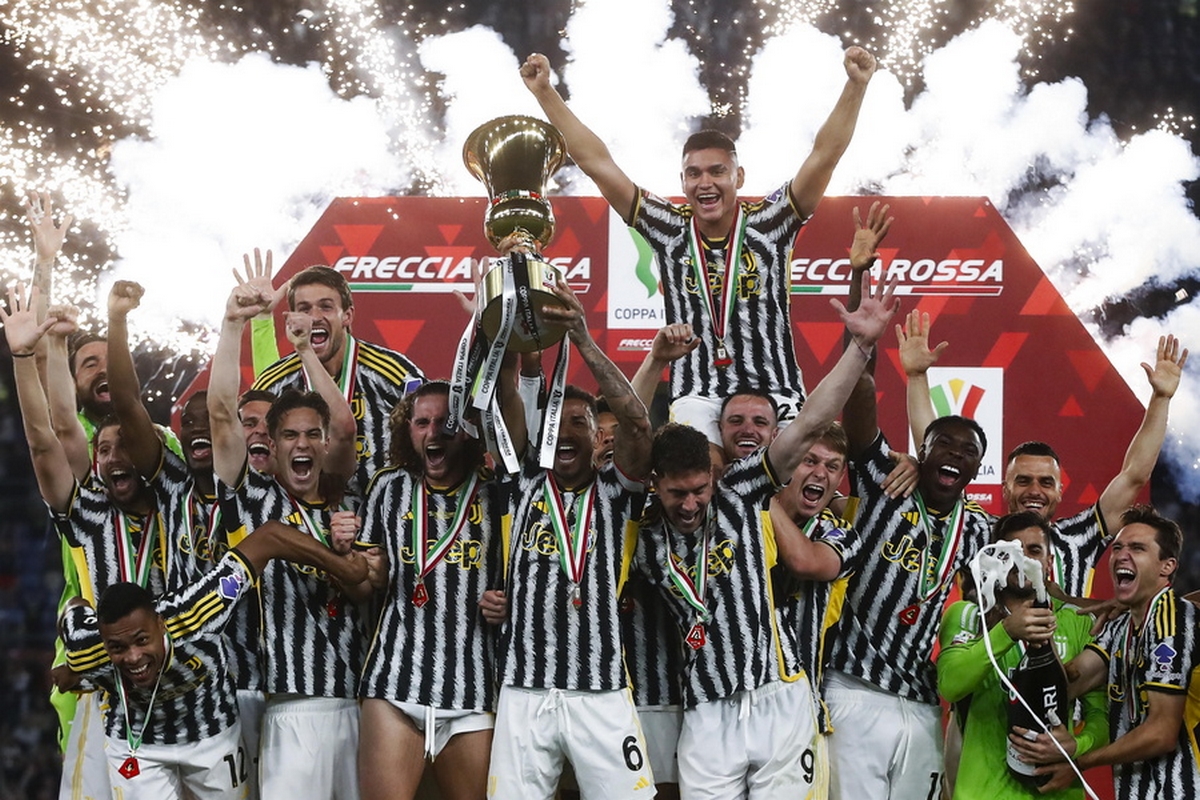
[(240, 155)]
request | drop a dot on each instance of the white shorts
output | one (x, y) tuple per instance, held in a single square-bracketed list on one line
[(85, 768), (661, 726), (756, 744), (309, 748), (251, 703), (704, 413), (439, 724), (598, 732), (210, 769), (882, 746)]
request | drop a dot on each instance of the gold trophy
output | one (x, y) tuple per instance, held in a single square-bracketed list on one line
[(515, 157)]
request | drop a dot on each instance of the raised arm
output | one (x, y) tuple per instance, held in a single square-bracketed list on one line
[(865, 325), (225, 379), (55, 479), (47, 244), (343, 430), (631, 449), (264, 350), (808, 186), (859, 418), (137, 429), (1143, 450), (671, 343), (915, 359), (585, 147), (60, 390)]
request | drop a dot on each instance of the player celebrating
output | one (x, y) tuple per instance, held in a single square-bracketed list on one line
[(314, 636), (749, 719), (723, 262), (438, 515), (172, 729), (1147, 657), (371, 378), (563, 683), (1033, 476)]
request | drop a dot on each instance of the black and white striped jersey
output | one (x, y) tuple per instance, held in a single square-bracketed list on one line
[(432, 646), (1160, 657), (562, 635), (888, 628), (382, 378), (313, 638), (806, 609), (653, 645), (759, 331), (192, 536), (195, 697), (1079, 542), (742, 649), (109, 545)]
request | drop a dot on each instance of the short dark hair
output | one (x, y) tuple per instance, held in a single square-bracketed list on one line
[(573, 392), (291, 400), (324, 276), (107, 421), (1166, 531), (1032, 448), (749, 391), (400, 449), (602, 406), (1006, 526), (78, 341), (709, 139), (256, 396), (120, 600), (956, 419), (678, 449)]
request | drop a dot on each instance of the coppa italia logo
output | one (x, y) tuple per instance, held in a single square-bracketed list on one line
[(975, 277), (436, 273), (956, 396)]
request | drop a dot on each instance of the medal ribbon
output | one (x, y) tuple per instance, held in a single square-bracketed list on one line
[(1133, 641), (426, 556), (347, 381), (719, 315), (694, 591), (135, 562), (314, 528), (572, 548), (935, 573)]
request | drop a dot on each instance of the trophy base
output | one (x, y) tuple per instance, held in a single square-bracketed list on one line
[(522, 340)]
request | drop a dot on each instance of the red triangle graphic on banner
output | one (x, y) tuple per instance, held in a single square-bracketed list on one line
[(399, 334), (358, 238), (595, 208), (1044, 301), (331, 253), (1071, 408), (821, 337), (449, 232), (1005, 349), (566, 244), (1088, 496), (1091, 365)]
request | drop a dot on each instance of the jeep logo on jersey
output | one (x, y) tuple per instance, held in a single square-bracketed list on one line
[(974, 277), (438, 273)]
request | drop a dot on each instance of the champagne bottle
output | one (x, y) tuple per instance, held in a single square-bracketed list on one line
[(1042, 681)]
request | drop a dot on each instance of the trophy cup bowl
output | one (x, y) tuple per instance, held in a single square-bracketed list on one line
[(514, 157)]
